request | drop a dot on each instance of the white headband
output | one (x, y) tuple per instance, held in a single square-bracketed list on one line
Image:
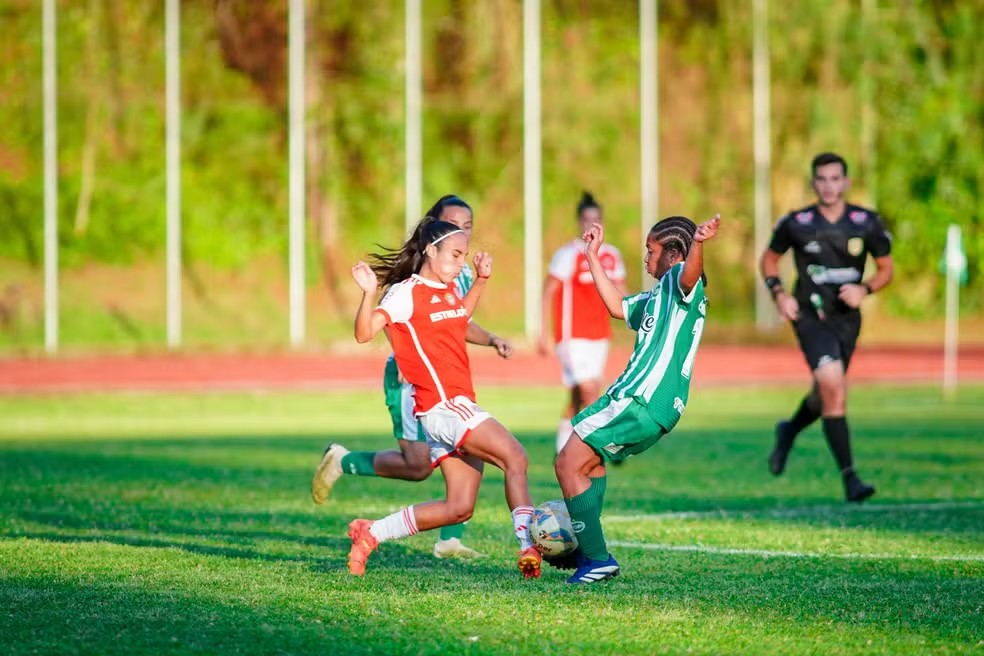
[(445, 236)]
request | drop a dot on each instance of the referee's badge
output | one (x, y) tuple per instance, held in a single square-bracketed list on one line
[(855, 246)]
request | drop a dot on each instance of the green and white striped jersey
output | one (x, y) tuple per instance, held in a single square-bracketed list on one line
[(465, 280), (668, 326)]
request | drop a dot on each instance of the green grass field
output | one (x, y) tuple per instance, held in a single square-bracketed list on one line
[(144, 523)]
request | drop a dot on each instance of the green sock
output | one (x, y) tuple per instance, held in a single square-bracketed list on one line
[(598, 486), (453, 531), (359, 463), (586, 515)]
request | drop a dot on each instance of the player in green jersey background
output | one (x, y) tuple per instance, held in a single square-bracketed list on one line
[(648, 398)]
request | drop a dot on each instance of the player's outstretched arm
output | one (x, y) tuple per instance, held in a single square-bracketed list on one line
[(367, 322), (482, 337), (483, 270), (693, 268), (606, 288)]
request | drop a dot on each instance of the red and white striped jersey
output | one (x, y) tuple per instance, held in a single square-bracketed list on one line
[(578, 311), (427, 323)]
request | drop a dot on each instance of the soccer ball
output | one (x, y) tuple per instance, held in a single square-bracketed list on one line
[(551, 530)]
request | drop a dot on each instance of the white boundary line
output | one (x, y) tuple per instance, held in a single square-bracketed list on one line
[(807, 511), (729, 551)]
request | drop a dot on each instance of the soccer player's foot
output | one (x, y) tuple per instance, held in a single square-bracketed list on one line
[(593, 571), (565, 561), (855, 489), (453, 548), (329, 470), (529, 563), (363, 544), (784, 443)]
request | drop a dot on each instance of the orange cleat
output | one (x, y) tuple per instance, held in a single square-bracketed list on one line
[(529, 563), (363, 544)]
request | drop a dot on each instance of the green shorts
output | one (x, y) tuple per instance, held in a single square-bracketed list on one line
[(617, 428), (399, 402)]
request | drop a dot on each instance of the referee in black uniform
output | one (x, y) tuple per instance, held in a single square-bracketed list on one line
[(830, 241)]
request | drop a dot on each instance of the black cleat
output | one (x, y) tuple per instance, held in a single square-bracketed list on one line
[(784, 444), (856, 490), (567, 561)]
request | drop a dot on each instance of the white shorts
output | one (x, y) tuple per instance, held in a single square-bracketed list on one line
[(409, 418), (448, 424), (582, 360)]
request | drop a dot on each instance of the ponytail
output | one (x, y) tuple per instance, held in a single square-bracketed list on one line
[(393, 266)]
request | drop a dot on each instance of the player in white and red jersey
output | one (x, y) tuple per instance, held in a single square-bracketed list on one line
[(411, 460), (581, 327), (427, 324)]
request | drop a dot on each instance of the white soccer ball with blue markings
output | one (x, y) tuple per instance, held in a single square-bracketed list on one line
[(551, 530)]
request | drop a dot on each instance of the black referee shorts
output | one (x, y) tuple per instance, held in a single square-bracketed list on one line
[(823, 341)]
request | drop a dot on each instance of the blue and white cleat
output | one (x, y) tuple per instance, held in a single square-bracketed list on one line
[(592, 571)]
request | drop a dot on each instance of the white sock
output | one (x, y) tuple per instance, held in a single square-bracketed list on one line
[(522, 516), (398, 525), (564, 430)]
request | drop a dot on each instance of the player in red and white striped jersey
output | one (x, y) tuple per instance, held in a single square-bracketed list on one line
[(581, 326), (427, 325)]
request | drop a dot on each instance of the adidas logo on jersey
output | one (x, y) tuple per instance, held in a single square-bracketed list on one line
[(435, 299)]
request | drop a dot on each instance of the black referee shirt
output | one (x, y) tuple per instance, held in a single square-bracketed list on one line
[(829, 254)]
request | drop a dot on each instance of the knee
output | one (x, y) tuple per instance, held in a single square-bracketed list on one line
[(563, 465), (458, 512), (419, 469), (832, 396), (518, 462), (419, 472)]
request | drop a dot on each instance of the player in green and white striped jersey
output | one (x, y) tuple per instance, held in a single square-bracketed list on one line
[(648, 398)]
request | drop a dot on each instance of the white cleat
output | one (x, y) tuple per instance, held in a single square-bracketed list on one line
[(452, 548), (329, 470)]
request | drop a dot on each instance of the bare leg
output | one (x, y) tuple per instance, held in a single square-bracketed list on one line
[(493, 443), (576, 465), (410, 463), (462, 477)]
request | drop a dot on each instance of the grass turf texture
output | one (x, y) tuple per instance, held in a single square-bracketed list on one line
[(182, 523)]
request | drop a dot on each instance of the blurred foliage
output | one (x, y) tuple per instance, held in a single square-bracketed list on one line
[(899, 91)]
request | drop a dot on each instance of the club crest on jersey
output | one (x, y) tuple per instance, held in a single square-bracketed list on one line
[(449, 298), (855, 246), (804, 217), (858, 216), (812, 247)]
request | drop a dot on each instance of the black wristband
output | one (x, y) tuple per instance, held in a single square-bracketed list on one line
[(868, 287), (774, 285)]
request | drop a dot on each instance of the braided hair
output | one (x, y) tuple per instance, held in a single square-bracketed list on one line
[(396, 265), (676, 233)]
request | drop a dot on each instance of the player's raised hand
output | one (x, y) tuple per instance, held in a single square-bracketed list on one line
[(483, 264), (365, 277), (707, 229), (593, 237)]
